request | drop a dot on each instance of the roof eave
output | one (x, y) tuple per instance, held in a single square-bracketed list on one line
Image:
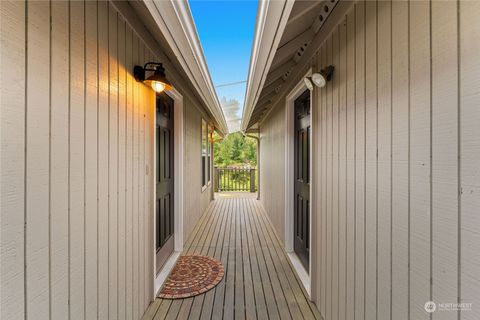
[(272, 17), (175, 20)]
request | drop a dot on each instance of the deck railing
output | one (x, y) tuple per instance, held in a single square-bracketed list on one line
[(235, 179)]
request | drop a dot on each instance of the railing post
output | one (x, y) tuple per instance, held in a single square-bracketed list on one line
[(221, 179), (252, 180)]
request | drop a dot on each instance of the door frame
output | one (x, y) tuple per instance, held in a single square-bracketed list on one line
[(178, 140), (304, 276)]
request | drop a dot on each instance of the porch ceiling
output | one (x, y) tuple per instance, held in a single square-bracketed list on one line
[(265, 82)]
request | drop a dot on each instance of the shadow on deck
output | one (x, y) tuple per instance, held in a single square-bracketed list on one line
[(259, 282)]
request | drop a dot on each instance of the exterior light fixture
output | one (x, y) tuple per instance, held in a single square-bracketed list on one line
[(308, 83), (319, 79), (210, 136), (158, 81)]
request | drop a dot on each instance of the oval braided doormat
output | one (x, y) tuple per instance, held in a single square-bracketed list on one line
[(191, 276)]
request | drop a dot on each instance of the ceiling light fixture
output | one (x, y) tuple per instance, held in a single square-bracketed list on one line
[(157, 81)]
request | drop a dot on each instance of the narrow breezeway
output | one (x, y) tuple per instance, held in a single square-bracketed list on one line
[(259, 282)]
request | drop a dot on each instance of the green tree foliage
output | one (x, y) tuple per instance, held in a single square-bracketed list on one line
[(235, 150)]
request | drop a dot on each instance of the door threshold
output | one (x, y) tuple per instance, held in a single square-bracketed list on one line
[(300, 270), (165, 271)]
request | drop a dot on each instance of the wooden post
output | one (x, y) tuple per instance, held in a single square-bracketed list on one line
[(252, 180)]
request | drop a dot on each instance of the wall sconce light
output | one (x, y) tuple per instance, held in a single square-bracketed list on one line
[(319, 79), (158, 81), (211, 133), (308, 83)]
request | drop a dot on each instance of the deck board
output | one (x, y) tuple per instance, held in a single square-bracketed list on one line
[(259, 281)]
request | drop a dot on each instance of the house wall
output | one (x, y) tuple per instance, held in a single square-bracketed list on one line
[(397, 180), (272, 167), (76, 163), (195, 199)]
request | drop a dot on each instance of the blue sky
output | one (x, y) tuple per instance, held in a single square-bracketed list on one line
[(226, 30)]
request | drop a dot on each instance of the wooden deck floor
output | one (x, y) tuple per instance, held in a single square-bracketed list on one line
[(259, 282)]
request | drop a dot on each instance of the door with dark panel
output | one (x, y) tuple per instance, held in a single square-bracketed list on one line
[(302, 178), (164, 179)]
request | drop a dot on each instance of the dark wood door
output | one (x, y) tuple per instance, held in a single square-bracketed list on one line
[(164, 179), (302, 178)]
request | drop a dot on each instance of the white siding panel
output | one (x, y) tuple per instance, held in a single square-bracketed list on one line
[(398, 162), (329, 187), (360, 160), (140, 176), (371, 173), (12, 139), (38, 162), (122, 172), (103, 123), (384, 134), (142, 90), (135, 155), (334, 182), (272, 163), (316, 191), (77, 160), (420, 126), (342, 186), (470, 155), (445, 139), (350, 170), (192, 152), (323, 188), (129, 177), (400, 177), (59, 160), (112, 164), (91, 154)]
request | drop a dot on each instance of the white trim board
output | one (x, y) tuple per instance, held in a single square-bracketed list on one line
[(163, 274), (178, 138), (303, 274), (300, 270)]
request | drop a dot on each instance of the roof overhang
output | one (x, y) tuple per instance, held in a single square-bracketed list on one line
[(287, 35), (272, 17), (174, 20)]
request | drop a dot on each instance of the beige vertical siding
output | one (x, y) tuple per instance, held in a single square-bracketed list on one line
[(12, 169), (195, 200), (398, 180), (469, 174), (272, 167), (76, 163)]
